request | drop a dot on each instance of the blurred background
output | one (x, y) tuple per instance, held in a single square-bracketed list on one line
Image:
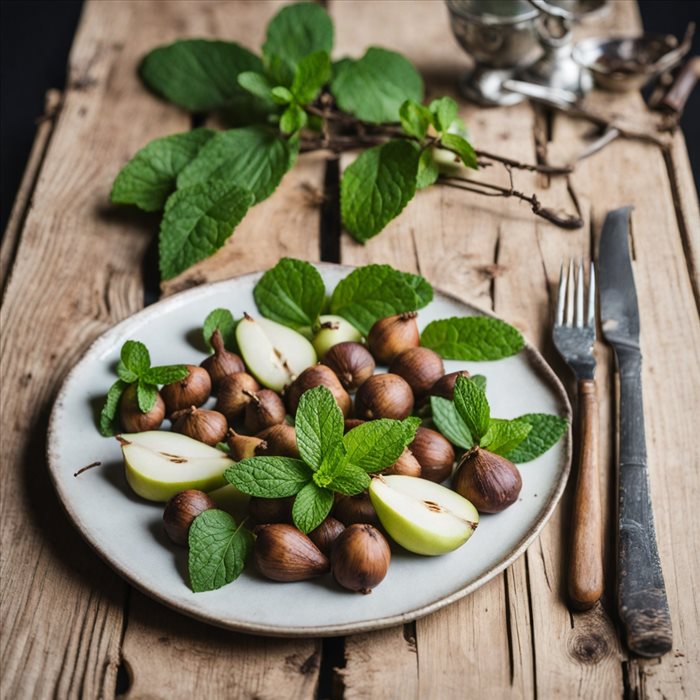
[(36, 36)]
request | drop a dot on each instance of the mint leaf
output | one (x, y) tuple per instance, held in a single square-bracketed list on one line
[(462, 148), (166, 374), (146, 395), (291, 293), (472, 406), (223, 321), (428, 170), (197, 221), (109, 410), (297, 31), (473, 338), (377, 186), (415, 119), (376, 291), (319, 426), (149, 177), (377, 444), (293, 118), (126, 374), (281, 95), (218, 550), (135, 357), (350, 480), (546, 432), (256, 84), (198, 74), (312, 73), (269, 477), (503, 436), (311, 507), (444, 111), (253, 157), (479, 380), (374, 87), (450, 424)]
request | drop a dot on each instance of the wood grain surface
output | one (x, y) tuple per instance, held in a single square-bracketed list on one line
[(73, 267)]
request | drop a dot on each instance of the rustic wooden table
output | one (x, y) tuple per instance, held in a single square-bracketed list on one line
[(72, 266)]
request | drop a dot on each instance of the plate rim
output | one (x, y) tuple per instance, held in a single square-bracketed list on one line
[(535, 359)]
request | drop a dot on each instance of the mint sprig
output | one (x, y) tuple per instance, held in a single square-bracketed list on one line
[(329, 462), (218, 550), (220, 320), (467, 421), (472, 338), (134, 367)]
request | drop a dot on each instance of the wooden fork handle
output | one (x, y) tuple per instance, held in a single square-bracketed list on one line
[(586, 564)]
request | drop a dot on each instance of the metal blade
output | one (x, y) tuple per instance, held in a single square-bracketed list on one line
[(619, 312)]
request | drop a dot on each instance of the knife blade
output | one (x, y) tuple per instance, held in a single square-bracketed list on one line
[(641, 593)]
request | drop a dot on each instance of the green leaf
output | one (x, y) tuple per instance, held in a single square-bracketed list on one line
[(377, 291), (291, 293), (218, 550), (223, 321), (198, 74), (149, 177), (479, 380), (254, 158), (166, 374), (546, 432), (111, 405), (297, 31), (415, 119), (256, 84), (311, 507), (146, 395), (450, 424), (462, 147), (374, 87), (281, 95), (428, 170), (269, 477), (126, 374), (472, 338), (350, 480), (197, 222), (319, 426), (503, 436), (377, 186), (472, 406), (444, 111), (135, 356), (312, 73), (377, 444), (293, 119)]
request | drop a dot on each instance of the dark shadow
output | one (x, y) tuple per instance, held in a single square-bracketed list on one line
[(196, 340)]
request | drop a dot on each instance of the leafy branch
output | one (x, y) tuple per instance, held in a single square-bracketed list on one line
[(294, 99)]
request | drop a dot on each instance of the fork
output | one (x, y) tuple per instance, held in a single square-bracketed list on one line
[(574, 333)]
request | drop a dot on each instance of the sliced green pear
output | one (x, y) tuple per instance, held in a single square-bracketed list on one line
[(158, 464), (273, 353), (334, 330), (422, 516)]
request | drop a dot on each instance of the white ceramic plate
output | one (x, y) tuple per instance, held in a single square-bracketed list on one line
[(127, 532)]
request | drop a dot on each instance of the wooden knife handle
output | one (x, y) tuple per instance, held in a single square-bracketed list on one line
[(679, 92), (586, 565)]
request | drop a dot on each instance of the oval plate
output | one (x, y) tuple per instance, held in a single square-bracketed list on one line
[(127, 531)]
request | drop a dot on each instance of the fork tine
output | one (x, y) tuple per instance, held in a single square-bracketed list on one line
[(590, 314), (570, 295), (580, 284), (561, 297)]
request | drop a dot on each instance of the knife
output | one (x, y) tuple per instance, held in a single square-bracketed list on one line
[(641, 594)]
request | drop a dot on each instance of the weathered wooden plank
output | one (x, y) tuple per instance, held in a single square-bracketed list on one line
[(166, 653), (75, 273)]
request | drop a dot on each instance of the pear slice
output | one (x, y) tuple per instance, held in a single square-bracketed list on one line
[(422, 516), (158, 464), (273, 353), (334, 330)]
